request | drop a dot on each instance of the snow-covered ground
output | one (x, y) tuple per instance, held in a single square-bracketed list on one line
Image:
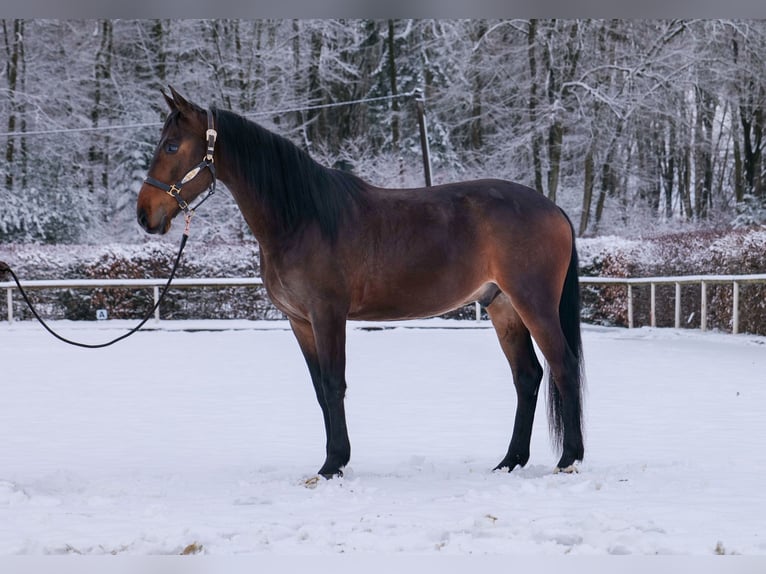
[(203, 437)]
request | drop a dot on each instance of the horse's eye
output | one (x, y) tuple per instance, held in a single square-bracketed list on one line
[(171, 147)]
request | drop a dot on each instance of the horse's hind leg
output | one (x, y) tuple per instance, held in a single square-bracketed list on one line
[(527, 373), (564, 401)]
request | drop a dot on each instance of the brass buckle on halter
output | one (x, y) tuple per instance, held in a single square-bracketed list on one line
[(175, 193)]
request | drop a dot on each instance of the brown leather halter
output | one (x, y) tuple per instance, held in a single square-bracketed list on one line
[(174, 189)]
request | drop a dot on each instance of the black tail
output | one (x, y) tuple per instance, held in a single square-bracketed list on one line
[(569, 317)]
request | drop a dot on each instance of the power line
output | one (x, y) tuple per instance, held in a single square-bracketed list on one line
[(333, 105), (79, 130), (253, 114)]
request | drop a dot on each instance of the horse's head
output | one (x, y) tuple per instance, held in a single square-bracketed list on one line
[(176, 175)]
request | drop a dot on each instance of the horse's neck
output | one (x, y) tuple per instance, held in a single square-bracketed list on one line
[(256, 215), (252, 206)]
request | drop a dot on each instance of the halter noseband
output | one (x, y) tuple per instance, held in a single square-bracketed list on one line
[(174, 189)]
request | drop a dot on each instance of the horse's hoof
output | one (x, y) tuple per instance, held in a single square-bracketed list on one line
[(330, 474), (571, 469), (313, 481), (510, 462)]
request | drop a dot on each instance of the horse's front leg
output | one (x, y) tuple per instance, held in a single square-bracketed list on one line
[(304, 333), (323, 343)]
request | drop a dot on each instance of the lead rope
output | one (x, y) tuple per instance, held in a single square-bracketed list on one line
[(4, 267)]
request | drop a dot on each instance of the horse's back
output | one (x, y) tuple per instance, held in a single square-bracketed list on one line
[(481, 197), (422, 252), (481, 216)]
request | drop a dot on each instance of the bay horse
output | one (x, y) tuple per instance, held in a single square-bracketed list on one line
[(333, 247)]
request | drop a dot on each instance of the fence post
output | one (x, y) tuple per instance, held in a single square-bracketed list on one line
[(703, 306), (9, 300), (420, 102), (735, 308), (653, 305), (630, 306), (678, 306), (156, 290)]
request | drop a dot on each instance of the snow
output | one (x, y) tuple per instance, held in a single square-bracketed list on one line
[(204, 436)]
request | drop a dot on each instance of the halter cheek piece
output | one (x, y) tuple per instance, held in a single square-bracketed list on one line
[(174, 189)]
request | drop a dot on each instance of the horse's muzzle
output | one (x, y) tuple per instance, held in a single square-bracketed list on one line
[(161, 227)]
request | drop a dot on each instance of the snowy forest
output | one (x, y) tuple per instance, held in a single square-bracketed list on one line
[(634, 127)]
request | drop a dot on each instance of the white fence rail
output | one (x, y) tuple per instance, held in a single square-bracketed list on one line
[(154, 284), (702, 280)]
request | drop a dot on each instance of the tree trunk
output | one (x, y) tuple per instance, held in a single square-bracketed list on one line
[(394, 89), (739, 180), (299, 82), (669, 170), (560, 69), (685, 178), (758, 175), (98, 154), (316, 128), (608, 177), (534, 104), (14, 50), (476, 128), (157, 34), (22, 82), (555, 139), (703, 152), (587, 194)]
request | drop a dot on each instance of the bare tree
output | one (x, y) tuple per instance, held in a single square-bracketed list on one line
[(632, 124)]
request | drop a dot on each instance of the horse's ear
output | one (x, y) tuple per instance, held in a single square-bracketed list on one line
[(184, 106), (169, 100)]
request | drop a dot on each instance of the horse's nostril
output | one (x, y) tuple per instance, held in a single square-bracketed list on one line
[(148, 225)]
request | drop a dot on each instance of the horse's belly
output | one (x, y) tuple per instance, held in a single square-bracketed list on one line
[(417, 303)]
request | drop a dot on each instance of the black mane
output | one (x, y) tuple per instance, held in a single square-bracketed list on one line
[(297, 189)]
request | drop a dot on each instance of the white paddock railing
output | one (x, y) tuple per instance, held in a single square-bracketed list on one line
[(630, 282), (702, 280), (154, 284)]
